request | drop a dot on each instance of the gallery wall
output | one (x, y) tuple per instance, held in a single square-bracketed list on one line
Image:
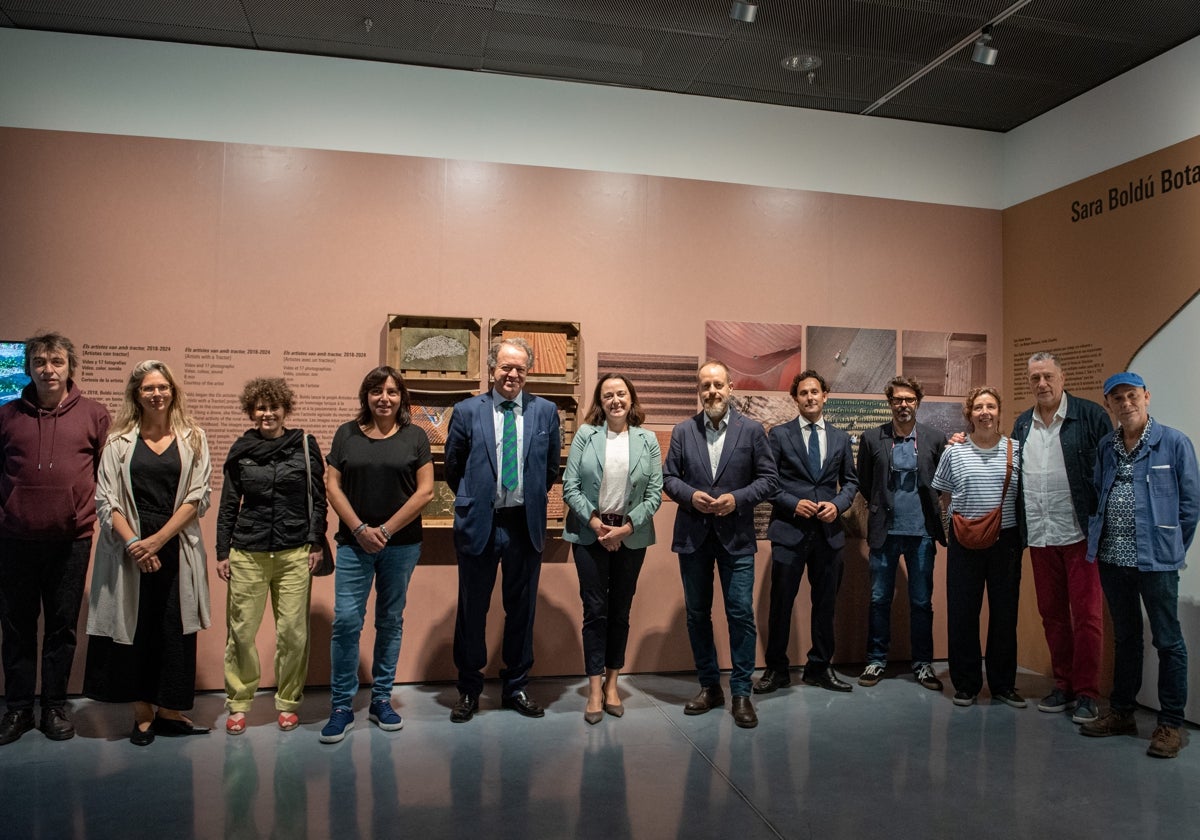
[(1103, 272), (125, 87), (230, 261)]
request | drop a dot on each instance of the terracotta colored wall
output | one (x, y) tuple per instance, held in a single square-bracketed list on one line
[(127, 240), (1103, 283)]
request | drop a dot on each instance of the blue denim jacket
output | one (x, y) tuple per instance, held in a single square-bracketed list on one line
[(1166, 492)]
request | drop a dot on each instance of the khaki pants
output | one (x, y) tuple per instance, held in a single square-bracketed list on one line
[(254, 574)]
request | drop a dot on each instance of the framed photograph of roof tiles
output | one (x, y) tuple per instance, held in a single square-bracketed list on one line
[(555, 347), (945, 363), (852, 360), (666, 385), (431, 411), (760, 356)]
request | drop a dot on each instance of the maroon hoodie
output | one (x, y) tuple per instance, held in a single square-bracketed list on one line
[(48, 461)]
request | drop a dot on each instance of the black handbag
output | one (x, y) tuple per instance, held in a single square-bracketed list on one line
[(326, 565)]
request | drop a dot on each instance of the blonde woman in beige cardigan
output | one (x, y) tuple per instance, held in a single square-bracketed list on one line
[(149, 592)]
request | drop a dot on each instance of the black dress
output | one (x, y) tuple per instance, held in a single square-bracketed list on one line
[(160, 666)]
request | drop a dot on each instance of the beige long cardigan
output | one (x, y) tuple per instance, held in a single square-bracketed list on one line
[(113, 602)]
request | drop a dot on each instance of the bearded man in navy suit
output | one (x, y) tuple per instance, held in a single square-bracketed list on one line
[(718, 468), (817, 483), (502, 454)]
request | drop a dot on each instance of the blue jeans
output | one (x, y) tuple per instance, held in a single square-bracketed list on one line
[(391, 569), (1159, 591), (918, 561), (737, 587)]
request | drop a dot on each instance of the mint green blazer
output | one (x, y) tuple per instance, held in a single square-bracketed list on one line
[(585, 469)]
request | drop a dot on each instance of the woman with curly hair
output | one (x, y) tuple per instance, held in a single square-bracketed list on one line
[(149, 592), (270, 525)]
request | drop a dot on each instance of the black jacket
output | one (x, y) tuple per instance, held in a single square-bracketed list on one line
[(875, 476), (1085, 425), (264, 503)]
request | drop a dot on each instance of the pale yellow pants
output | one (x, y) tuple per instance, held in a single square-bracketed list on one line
[(284, 576)]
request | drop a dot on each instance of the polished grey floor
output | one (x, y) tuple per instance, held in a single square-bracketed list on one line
[(894, 761)]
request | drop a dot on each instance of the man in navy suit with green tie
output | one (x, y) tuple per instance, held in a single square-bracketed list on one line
[(502, 454), (817, 483)]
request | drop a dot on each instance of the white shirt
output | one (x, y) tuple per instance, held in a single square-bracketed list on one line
[(504, 497), (1049, 511), (614, 483)]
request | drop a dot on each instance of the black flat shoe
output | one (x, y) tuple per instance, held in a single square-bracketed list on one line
[(142, 737), (171, 728)]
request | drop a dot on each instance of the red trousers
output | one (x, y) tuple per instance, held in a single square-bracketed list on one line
[(1070, 601)]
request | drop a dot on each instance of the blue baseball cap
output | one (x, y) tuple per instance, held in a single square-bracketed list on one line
[(1123, 378)]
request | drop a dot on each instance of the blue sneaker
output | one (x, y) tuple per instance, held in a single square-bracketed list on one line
[(384, 716), (340, 722)]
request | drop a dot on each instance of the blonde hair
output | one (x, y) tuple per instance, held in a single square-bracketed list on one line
[(130, 415)]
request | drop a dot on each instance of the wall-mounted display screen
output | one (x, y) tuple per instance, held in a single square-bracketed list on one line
[(12, 370)]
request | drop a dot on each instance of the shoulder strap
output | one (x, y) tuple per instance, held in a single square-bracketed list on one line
[(1007, 472)]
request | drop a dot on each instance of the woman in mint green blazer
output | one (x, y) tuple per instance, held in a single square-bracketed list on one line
[(612, 487)]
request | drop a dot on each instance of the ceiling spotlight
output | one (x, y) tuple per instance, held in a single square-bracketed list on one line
[(984, 52), (801, 62), (744, 12)]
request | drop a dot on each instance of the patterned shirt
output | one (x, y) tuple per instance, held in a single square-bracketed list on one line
[(1118, 540)]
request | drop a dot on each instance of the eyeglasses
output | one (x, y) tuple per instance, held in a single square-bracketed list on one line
[(155, 389), (517, 369), (904, 400)]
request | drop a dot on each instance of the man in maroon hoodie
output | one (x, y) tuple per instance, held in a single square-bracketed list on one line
[(50, 441)]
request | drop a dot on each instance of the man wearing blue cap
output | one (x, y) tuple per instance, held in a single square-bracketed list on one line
[(1149, 502)]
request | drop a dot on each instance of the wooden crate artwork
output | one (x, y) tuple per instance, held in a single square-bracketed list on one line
[(434, 349), (555, 346), (431, 411)]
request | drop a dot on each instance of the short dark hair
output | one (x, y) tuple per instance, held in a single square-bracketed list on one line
[(807, 374), (904, 382), (51, 341), (272, 390), (595, 416), (375, 379)]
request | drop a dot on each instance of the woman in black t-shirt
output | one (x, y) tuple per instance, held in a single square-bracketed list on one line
[(379, 477)]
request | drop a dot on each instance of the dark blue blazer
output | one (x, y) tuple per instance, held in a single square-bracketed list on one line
[(837, 483), (746, 470), (471, 469)]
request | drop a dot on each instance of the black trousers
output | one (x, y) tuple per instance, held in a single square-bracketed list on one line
[(510, 550), (968, 573), (607, 582), (45, 578), (824, 566)]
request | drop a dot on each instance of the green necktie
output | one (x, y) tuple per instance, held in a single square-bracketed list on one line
[(508, 447)]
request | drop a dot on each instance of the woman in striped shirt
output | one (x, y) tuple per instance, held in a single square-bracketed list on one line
[(971, 478)]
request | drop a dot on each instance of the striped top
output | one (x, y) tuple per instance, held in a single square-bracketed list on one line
[(974, 478)]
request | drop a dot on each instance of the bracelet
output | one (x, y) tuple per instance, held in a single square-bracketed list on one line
[(386, 534), (362, 526), (131, 541)]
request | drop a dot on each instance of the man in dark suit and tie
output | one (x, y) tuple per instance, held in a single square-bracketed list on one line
[(718, 468), (817, 484), (502, 455)]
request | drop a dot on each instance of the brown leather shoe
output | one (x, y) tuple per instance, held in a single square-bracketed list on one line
[(1166, 742), (710, 697), (743, 713), (1113, 723)]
